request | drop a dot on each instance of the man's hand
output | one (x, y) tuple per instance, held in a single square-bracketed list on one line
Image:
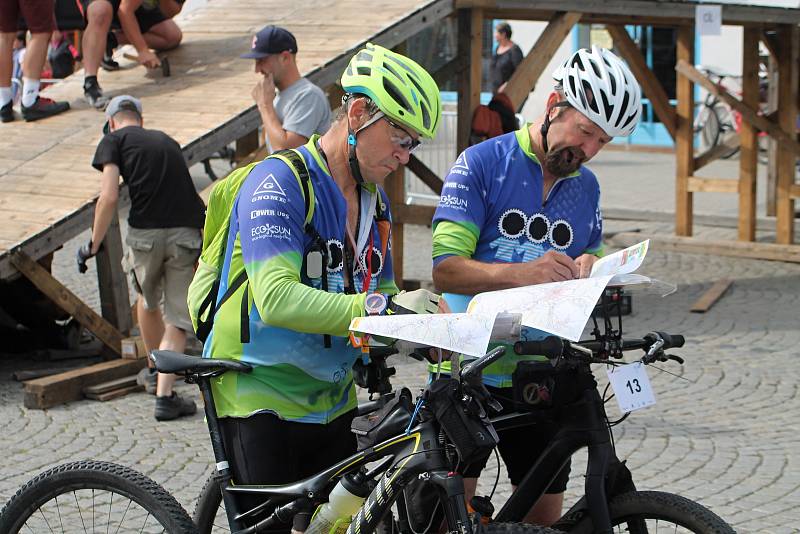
[(149, 59), (584, 263), (551, 267), (264, 91), (84, 253)]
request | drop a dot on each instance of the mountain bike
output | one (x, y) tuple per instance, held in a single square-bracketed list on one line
[(611, 498)]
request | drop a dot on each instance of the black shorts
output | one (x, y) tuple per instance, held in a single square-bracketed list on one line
[(520, 447), (264, 449)]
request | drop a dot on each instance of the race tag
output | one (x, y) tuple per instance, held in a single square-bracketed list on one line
[(631, 387)]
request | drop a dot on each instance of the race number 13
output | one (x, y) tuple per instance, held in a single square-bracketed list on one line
[(631, 387)]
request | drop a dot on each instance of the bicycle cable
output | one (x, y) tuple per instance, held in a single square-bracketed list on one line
[(497, 476)]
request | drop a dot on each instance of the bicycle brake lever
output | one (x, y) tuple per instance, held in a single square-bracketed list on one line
[(676, 358)]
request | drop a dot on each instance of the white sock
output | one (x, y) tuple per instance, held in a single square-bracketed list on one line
[(30, 91), (5, 96)]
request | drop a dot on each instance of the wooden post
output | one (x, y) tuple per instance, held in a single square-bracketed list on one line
[(397, 195), (114, 301), (528, 72), (246, 145), (787, 104), (684, 139), (470, 45), (748, 158), (772, 145), (67, 300)]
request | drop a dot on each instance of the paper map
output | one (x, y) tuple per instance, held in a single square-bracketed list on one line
[(559, 308)]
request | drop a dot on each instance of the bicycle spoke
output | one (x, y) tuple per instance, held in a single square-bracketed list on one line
[(58, 510), (46, 522), (110, 502), (145, 523), (123, 516), (78, 507)]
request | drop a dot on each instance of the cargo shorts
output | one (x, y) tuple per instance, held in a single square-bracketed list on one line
[(160, 263)]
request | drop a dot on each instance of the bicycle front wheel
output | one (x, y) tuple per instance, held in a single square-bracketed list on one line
[(209, 511), (642, 512), (91, 496)]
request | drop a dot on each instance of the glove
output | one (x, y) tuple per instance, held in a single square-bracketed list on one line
[(419, 301), (84, 253)]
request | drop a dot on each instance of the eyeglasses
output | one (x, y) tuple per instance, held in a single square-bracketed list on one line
[(405, 142)]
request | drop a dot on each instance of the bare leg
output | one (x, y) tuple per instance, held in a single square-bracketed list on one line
[(99, 16), (546, 511), (6, 58), (174, 339), (35, 55), (151, 325), (165, 35)]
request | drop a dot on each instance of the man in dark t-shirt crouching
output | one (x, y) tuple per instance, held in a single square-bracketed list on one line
[(164, 235)]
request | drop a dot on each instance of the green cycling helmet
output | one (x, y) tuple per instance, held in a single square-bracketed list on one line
[(403, 90)]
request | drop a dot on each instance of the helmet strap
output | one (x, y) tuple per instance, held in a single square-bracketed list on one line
[(546, 123), (352, 141)]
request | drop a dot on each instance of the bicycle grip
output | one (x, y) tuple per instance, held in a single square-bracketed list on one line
[(551, 346), (672, 341)]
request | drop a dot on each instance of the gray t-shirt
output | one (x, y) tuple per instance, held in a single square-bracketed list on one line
[(303, 109)]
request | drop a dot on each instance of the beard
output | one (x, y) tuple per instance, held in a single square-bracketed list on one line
[(561, 162)]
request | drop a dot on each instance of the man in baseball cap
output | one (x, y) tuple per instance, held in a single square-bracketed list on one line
[(301, 109), (121, 103)]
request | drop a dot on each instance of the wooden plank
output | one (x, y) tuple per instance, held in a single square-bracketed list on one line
[(684, 140), (787, 104), (470, 45), (698, 184), (731, 14), (112, 283), (725, 146), (772, 145), (67, 300), (397, 190), (748, 113), (424, 173), (65, 387), (650, 84), (110, 385), (748, 157), (737, 249), (711, 296), (114, 394), (413, 214), (526, 75)]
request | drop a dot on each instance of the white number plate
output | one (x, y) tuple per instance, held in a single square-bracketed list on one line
[(631, 387)]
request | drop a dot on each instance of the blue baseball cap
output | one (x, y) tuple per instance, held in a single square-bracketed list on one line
[(271, 40)]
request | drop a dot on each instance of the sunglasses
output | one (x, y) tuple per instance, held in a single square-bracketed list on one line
[(406, 142)]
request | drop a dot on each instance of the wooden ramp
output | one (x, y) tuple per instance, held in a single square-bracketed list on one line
[(47, 186)]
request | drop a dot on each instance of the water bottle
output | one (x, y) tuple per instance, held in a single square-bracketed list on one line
[(334, 516)]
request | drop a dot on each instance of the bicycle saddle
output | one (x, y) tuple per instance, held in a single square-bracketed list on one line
[(168, 361)]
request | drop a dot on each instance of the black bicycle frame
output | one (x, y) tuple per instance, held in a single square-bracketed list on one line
[(582, 424)]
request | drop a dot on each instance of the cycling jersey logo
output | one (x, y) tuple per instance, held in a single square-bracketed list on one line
[(460, 166), (453, 202), (538, 232), (376, 262), (335, 255), (270, 185), (560, 235)]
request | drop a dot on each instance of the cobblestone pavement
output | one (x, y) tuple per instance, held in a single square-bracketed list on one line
[(723, 434)]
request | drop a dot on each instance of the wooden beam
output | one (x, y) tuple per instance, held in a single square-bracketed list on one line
[(67, 300), (772, 145), (413, 214), (65, 387), (748, 135), (736, 249), (527, 73), (424, 173), (470, 45), (748, 114), (396, 191), (697, 184), (684, 136), (789, 37), (650, 84), (794, 191), (115, 304), (727, 144), (770, 40), (449, 71), (711, 296)]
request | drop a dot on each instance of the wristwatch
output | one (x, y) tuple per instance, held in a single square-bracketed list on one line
[(375, 303)]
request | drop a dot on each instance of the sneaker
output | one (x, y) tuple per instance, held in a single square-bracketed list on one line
[(149, 379), (108, 63), (168, 408), (7, 113), (94, 96), (43, 108)]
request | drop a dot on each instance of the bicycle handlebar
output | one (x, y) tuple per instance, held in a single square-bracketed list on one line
[(555, 347)]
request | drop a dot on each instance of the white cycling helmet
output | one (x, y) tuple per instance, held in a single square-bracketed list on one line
[(614, 99)]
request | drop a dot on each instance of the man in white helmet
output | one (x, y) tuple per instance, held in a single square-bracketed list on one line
[(522, 209)]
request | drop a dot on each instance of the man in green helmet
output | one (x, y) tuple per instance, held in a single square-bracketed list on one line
[(295, 326)]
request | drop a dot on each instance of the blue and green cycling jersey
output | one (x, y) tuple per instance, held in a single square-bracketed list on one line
[(492, 210), (294, 375)]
